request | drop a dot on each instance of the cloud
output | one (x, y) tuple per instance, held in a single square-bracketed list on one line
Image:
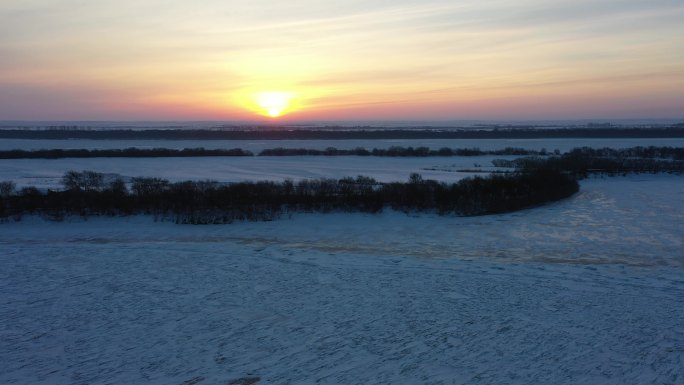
[(342, 52)]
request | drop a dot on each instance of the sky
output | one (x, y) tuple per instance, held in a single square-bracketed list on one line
[(341, 60)]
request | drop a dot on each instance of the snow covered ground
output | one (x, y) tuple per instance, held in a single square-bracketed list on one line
[(48, 173), (589, 290)]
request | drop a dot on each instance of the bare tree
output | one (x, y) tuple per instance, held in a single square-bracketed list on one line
[(7, 188), (82, 181)]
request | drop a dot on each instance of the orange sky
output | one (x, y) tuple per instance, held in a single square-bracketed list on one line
[(211, 60)]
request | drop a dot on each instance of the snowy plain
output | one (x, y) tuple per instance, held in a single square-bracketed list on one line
[(48, 173), (588, 290)]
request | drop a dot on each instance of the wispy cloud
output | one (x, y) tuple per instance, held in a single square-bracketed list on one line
[(339, 53)]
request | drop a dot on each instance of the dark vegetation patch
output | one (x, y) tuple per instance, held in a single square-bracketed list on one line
[(675, 153), (85, 194), (398, 151), (332, 133), (121, 153), (582, 162), (394, 151)]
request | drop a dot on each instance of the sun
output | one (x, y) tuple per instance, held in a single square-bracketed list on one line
[(273, 103)]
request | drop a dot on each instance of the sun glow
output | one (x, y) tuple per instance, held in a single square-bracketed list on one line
[(273, 103)]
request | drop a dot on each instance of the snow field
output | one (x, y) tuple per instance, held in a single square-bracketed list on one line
[(47, 174), (587, 290)]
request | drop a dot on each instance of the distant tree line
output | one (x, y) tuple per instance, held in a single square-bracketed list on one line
[(120, 153), (86, 193), (394, 151), (333, 133), (651, 152), (581, 162), (398, 151), (675, 153)]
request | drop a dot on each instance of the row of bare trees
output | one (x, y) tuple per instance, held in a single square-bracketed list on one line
[(652, 152), (584, 161), (86, 193)]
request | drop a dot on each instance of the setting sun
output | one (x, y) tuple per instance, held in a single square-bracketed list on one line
[(273, 103)]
